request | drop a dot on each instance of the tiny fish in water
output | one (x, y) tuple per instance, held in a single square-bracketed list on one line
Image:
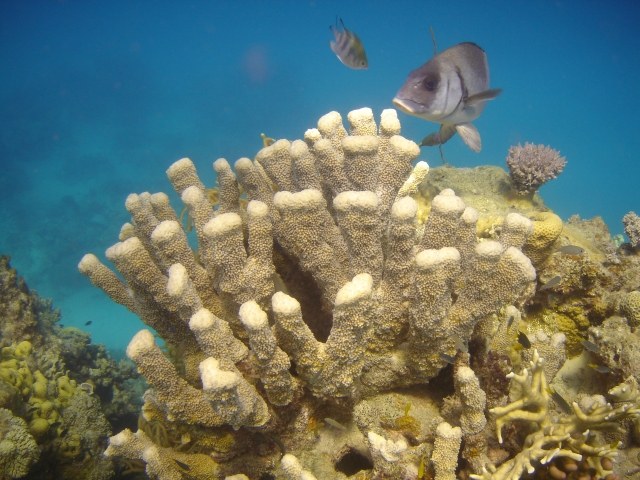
[(459, 344), (600, 368), (561, 402), (551, 283), (348, 48), (182, 465), (589, 346), (89, 322), (524, 340), (447, 358), (421, 468), (570, 250), (451, 89), (333, 423)]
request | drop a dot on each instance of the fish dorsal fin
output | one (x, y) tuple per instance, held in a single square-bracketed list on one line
[(470, 135), (483, 96)]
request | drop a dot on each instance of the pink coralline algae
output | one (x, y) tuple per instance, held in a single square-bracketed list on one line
[(532, 166)]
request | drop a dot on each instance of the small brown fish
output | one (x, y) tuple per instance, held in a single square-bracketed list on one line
[(182, 465), (348, 48), (570, 250), (89, 322), (281, 446), (561, 402), (524, 340), (589, 346), (555, 281), (447, 358), (600, 368)]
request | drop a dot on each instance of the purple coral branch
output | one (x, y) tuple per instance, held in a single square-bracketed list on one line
[(533, 165)]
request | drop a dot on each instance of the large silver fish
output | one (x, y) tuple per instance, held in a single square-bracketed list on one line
[(348, 48), (451, 89)]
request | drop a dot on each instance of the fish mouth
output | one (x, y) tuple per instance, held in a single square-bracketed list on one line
[(408, 106)]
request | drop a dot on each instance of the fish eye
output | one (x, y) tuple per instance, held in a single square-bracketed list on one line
[(430, 82)]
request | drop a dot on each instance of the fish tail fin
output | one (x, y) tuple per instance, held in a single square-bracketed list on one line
[(470, 136)]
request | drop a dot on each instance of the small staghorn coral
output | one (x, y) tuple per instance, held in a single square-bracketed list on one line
[(533, 165), (573, 438)]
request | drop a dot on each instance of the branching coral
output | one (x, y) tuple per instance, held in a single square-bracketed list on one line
[(573, 437), (381, 298), (533, 165)]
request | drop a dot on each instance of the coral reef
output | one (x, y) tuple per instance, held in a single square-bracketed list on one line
[(18, 449), (631, 223), (532, 166), (310, 319), (573, 437), (42, 365)]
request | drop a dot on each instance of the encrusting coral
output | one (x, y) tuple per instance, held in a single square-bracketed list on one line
[(325, 290), (18, 449)]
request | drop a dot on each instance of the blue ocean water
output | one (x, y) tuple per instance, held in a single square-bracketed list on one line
[(98, 98)]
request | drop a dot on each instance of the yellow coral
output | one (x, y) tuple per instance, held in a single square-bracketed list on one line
[(23, 350), (39, 428), (547, 227), (70, 447), (66, 390), (486, 227), (18, 450), (40, 386), (630, 308)]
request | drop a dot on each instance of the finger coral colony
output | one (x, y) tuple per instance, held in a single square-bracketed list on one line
[(360, 317)]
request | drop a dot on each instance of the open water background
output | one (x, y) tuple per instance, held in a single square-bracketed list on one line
[(98, 98)]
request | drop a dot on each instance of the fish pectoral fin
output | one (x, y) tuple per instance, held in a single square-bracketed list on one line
[(447, 131), (483, 96), (438, 138), (470, 136)]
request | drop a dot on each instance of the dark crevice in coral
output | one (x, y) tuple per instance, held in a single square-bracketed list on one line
[(303, 288), (353, 462)]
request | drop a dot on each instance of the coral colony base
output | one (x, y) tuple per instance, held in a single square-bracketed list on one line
[(360, 318)]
